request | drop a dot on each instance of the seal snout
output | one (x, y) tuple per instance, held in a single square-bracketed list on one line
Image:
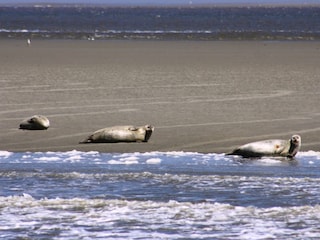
[(296, 139), (149, 128)]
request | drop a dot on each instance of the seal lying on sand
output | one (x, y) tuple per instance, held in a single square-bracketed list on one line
[(36, 122), (274, 148), (120, 134)]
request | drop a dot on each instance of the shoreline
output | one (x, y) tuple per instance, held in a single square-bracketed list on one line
[(201, 96)]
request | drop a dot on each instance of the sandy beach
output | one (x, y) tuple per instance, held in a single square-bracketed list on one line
[(200, 96)]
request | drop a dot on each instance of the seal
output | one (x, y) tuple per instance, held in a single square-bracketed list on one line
[(36, 122), (120, 134), (272, 147)]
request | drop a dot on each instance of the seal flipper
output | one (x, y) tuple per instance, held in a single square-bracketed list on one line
[(133, 128)]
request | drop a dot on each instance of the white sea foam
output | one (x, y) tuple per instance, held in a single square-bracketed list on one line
[(270, 161), (309, 153), (47, 158), (304, 158), (125, 160), (5, 154), (153, 161), (100, 218)]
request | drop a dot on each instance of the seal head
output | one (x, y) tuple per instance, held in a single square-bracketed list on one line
[(295, 145), (149, 130)]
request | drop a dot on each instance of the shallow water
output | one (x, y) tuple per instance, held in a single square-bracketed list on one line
[(158, 195)]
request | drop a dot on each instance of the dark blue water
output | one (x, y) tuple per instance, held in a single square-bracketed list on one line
[(220, 23)]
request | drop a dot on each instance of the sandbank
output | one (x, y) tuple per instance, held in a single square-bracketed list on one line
[(200, 96)]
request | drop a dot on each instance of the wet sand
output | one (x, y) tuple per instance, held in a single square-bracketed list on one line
[(200, 96)]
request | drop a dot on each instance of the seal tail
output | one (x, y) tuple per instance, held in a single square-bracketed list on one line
[(233, 152), (86, 140)]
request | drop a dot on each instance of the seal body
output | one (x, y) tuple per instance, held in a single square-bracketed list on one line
[(273, 147), (36, 122), (120, 134)]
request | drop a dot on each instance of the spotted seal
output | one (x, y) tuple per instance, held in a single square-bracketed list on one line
[(120, 134), (273, 147), (36, 122)]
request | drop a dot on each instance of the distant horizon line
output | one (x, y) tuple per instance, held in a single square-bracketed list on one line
[(190, 4)]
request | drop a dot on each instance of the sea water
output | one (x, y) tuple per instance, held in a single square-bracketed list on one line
[(158, 195), (160, 23)]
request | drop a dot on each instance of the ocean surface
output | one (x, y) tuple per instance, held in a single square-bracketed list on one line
[(158, 195), (210, 23)]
